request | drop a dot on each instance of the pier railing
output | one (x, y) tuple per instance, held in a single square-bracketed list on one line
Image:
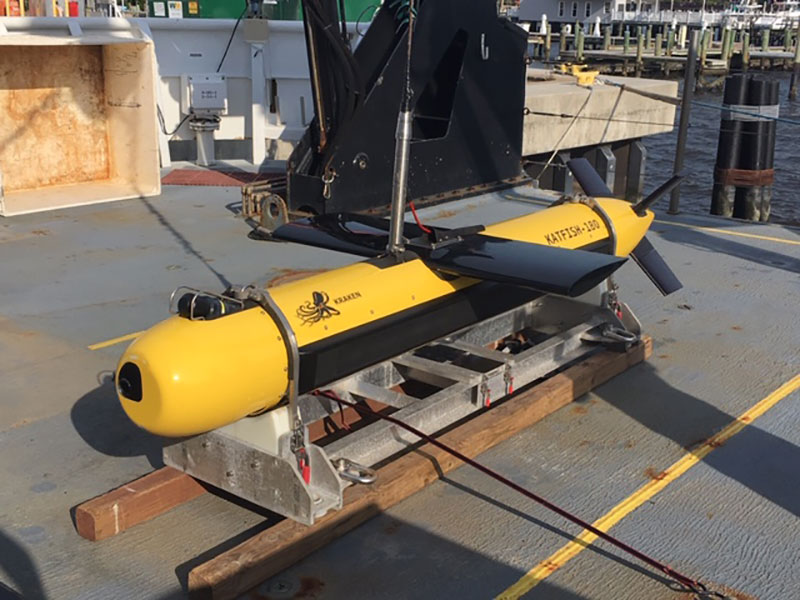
[(699, 18), (688, 17)]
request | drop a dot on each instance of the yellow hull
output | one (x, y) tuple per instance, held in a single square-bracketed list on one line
[(200, 375)]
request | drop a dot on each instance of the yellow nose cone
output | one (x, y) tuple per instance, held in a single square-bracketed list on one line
[(185, 377)]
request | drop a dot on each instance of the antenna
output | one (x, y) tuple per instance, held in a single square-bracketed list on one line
[(402, 150)]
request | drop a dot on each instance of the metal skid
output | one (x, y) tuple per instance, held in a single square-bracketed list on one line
[(460, 374)]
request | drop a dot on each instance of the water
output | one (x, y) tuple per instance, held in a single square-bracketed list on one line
[(701, 151)]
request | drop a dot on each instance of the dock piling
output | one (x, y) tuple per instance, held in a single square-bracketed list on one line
[(683, 127), (746, 50), (795, 71), (579, 42), (626, 41), (682, 36), (607, 37), (562, 42), (548, 42), (726, 36), (728, 146), (704, 48), (670, 40), (765, 40), (639, 52), (657, 47), (752, 155), (773, 99)]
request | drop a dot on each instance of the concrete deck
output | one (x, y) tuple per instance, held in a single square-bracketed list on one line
[(81, 276), (606, 113)]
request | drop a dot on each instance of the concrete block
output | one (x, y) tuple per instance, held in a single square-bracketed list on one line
[(609, 114)]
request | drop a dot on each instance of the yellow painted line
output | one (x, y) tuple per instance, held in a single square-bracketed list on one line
[(557, 560), (753, 236), (117, 340)]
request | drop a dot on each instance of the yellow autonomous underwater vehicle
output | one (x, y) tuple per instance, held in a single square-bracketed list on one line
[(434, 324), (221, 358)]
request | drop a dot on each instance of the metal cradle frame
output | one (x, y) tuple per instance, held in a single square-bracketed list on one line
[(461, 374)]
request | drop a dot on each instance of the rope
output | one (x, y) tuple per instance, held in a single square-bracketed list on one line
[(528, 111), (564, 135), (693, 585), (741, 111), (645, 93), (677, 102)]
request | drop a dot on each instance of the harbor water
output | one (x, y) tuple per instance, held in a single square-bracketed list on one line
[(701, 150)]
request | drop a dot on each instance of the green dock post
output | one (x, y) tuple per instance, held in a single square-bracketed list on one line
[(787, 46), (626, 41), (562, 42), (746, 50), (706, 42), (639, 52), (765, 40), (657, 48), (607, 37), (723, 51), (579, 45), (670, 40), (648, 36), (548, 41)]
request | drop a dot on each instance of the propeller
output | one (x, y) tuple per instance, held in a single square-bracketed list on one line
[(645, 255), (640, 207)]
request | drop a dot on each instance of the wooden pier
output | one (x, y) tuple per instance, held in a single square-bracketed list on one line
[(658, 51)]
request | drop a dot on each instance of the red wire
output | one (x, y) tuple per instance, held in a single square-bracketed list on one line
[(692, 584), (416, 218)]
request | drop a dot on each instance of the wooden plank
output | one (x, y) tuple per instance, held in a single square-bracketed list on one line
[(135, 502), (245, 566), (162, 490)]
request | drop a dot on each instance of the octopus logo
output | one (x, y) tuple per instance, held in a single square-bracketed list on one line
[(316, 309)]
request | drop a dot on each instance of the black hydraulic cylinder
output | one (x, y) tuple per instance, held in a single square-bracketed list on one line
[(773, 99), (751, 157), (728, 148)]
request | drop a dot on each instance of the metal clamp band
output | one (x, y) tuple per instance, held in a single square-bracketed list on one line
[(598, 210), (265, 301)]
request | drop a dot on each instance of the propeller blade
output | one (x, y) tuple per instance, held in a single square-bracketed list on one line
[(664, 188), (653, 265), (589, 179), (645, 255)]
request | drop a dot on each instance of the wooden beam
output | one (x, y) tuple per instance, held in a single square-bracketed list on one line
[(135, 502), (253, 561), (162, 490)]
